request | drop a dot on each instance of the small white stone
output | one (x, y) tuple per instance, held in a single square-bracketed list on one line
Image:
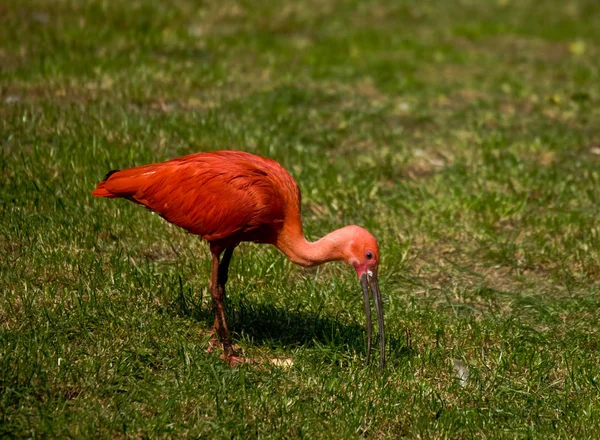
[(11, 99), (462, 371)]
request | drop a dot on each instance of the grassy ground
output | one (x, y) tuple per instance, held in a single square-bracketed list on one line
[(465, 135)]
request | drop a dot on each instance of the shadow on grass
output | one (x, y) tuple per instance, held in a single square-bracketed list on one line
[(276, 327)]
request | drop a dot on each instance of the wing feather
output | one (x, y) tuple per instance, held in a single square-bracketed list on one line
[(215, 195)]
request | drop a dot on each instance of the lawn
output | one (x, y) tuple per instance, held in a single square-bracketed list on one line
[(465, 135)]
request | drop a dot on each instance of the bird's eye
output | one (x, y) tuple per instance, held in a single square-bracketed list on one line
[(369, 255)]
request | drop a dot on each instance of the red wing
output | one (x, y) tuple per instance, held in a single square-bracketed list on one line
[(213, 200)]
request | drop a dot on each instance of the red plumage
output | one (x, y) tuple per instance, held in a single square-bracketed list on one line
[(227, 197)]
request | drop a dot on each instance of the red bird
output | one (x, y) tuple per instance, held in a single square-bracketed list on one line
[(227, 197)]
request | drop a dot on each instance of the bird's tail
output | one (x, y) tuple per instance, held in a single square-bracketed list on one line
[(101, 191)]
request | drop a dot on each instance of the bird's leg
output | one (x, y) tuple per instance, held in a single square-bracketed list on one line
[(219, 306), (218, 279)]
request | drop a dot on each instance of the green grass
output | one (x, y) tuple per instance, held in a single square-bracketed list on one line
[(465, 135)]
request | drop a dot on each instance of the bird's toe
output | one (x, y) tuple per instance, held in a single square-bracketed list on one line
[(214, 344), (233, 360)]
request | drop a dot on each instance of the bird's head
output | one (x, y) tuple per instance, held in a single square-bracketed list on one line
[(362, 252)]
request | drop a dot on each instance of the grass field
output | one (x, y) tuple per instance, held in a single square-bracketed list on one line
[(465, 135)]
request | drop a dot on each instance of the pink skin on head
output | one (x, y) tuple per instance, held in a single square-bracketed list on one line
[(362, 250), (363, 268)]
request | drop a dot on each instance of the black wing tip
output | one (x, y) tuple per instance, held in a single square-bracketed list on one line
[(110, 173)]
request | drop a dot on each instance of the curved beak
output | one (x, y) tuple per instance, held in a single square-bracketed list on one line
[(368, 282)]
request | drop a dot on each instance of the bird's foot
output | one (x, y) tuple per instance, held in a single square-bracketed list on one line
[(214, 344), (234, 360), (230, 355)]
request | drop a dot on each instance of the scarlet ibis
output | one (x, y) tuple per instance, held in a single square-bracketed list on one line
[(227, 197)]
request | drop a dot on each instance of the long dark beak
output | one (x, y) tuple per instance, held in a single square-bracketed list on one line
[(368, 281)]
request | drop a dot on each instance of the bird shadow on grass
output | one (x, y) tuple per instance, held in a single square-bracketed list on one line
[(277, 327)]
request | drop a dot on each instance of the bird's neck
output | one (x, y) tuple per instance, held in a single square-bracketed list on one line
[(305, 253)]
